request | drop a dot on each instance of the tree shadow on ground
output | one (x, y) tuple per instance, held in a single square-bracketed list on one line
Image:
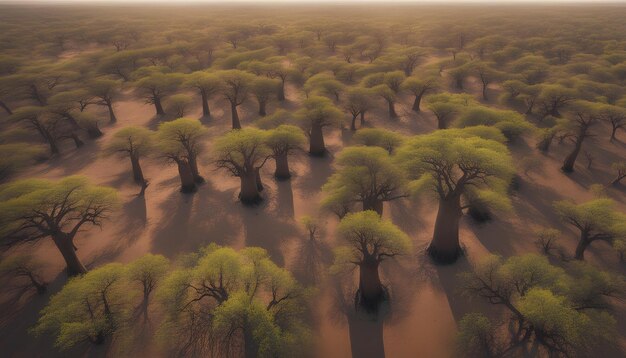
[(191, 221), (263, 229)]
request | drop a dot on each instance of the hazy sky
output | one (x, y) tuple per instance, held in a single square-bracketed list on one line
[(311, 1)]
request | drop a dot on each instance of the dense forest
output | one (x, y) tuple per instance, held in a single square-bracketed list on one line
[(313, 181)]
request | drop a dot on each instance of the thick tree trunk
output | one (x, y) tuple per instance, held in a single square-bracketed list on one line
[(6, 108), (54, 149), (582, 246), (392, 109), (570, 160), (544, 144), (417, 102), (193, 165), (441, 123), (353, 123), (93, 131), (206, 112), (613, 133), (459, 83), (370, 287), (65, 245), (445, 247), (281, 91), (316, 145), (137, 172), (282, 167), (112, 117), (187, 184), (262, 111), (235, 116), (373, 204), (249, 190), (250, 347), (259, 182), (77, 142), (159, 107), (485, 92)]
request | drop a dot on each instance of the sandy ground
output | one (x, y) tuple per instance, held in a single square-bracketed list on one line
[(426, 302)]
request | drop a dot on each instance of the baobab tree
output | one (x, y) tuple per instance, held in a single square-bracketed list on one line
[(179, 104), (369, 240), (614, 115), (549, 310), (554, 97), (279, 71), (35, 209), (50, 128), (235, 88), (378, 137), (283, 141), (148, 273), (446, 105), (134, 142), (418, 87), (316, 114), (577, 126), (368, 175), (264, 90), (596, 220), (182, 136), (88, 308), (243, 153), (235, 303), (207, 84), (105, 92), (510, 123), (486, 74), (324, 84), (455, 163), (358, 102), (157, 86)]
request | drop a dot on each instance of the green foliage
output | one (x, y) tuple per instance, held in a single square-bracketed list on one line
[(596, 220), (445, 105), (241, 150), (378, 137), (235, 85), (369, 237), (69, 203), (90, 307), (510, 123), (131, 140), (179, 104), (325, 85), (17, 156), (285, 139), (318, 111), (252, 304), (205, 82), (158, 85), (561, 311), (476, 337), (368, 174), (148, 271), (180, 136), (453, 161)]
